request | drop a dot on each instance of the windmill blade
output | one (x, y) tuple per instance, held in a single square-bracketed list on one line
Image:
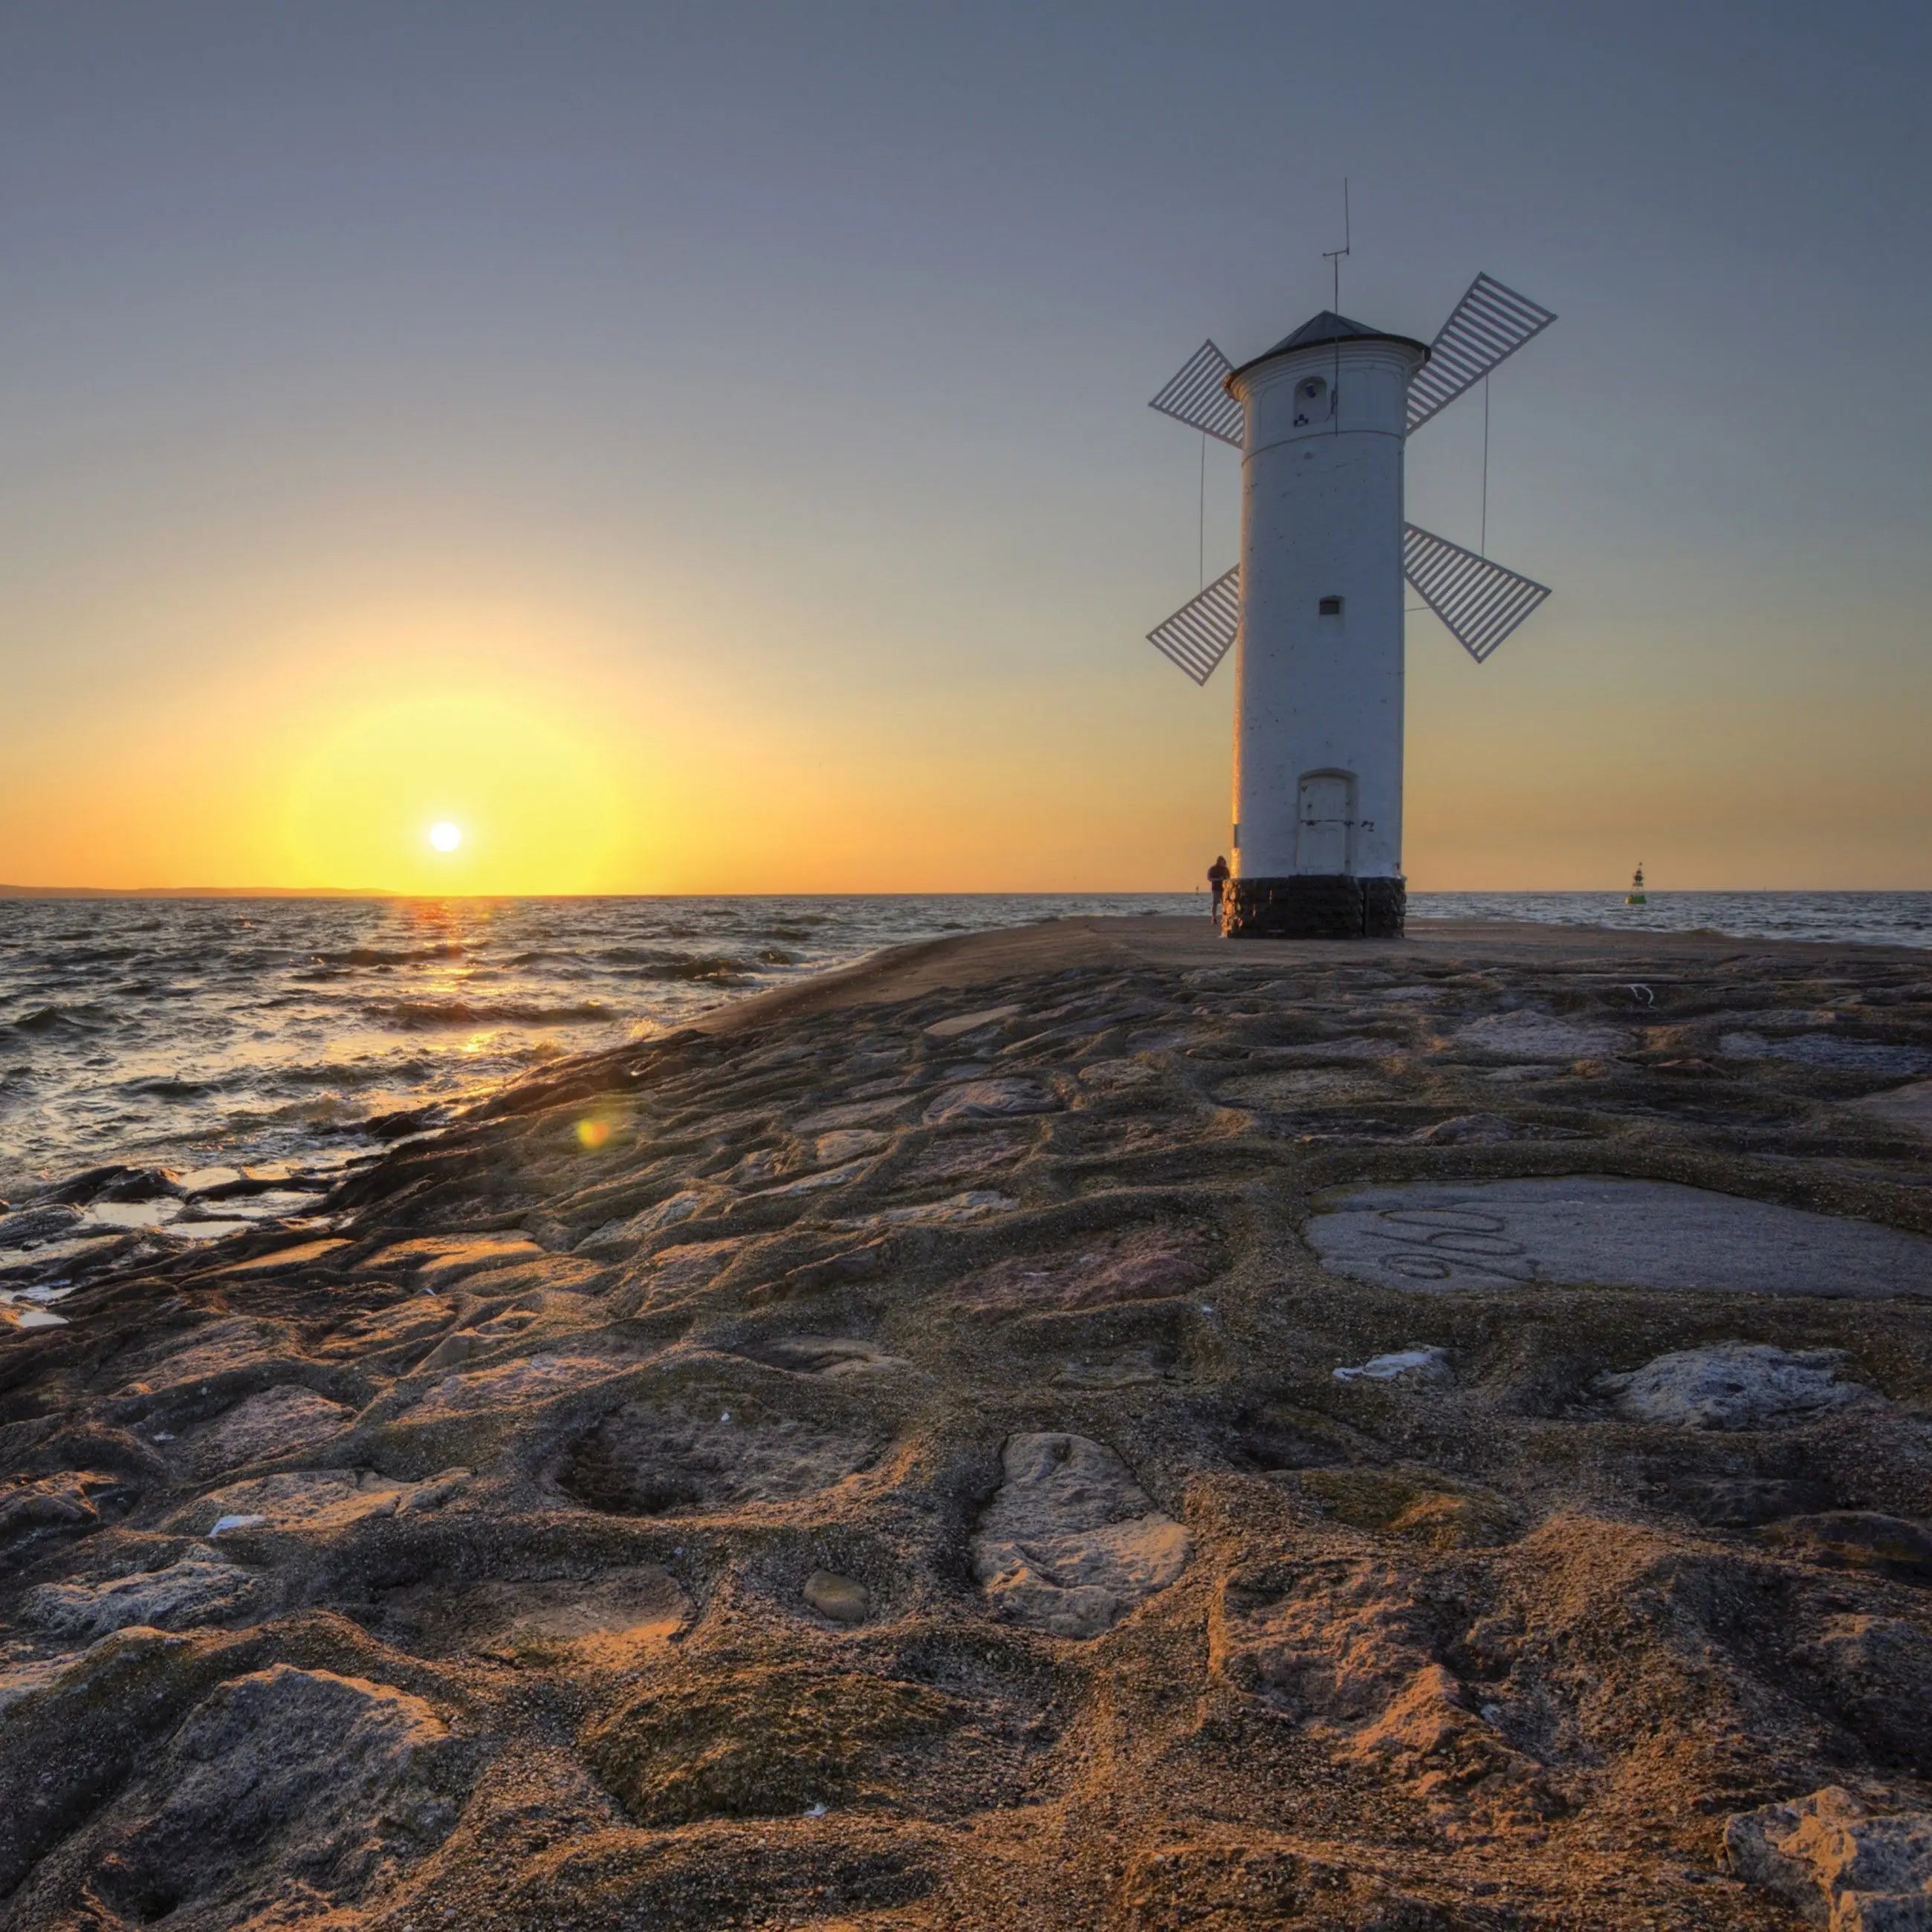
[(1479, 601), (1487, 326), (1197, 636), (1196, 397)]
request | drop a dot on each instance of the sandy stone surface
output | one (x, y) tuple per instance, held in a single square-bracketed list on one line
[(951, 1451)]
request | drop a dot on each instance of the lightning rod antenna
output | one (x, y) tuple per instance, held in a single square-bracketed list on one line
[(1335, 255)]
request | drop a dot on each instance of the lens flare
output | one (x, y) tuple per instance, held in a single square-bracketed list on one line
[(592, 1133), (445, 837)]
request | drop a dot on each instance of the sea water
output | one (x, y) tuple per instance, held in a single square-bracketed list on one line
[(186, 1033), (1878, 919)]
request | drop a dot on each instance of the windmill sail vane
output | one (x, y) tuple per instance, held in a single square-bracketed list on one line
[(1487, 327), (1480, 602), (1200, 634), (1194, 396)]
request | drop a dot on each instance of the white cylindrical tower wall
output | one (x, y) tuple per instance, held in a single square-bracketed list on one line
[(1319, 699)]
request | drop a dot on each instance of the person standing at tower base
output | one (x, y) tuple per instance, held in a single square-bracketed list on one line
[(1217, 880)]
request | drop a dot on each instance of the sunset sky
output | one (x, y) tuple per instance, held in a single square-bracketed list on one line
[(704, 449)]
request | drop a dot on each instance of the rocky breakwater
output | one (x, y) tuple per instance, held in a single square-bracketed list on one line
[(1082, 1427)]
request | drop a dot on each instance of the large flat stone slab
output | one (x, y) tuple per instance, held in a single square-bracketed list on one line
[(989, 1100), (1526, 1035), (188, 1592), (1070, 1543), (1592, 1229), (1732, 1385)]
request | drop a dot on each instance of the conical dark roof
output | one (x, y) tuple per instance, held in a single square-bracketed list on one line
[(1319, 330)]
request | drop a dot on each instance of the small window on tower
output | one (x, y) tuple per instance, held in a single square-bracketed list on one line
[(1329, 606), (1311, 401)]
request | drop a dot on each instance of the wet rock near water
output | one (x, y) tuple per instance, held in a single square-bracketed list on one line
[(1084, 1428)]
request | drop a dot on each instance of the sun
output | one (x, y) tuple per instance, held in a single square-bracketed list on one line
[(445, 837)]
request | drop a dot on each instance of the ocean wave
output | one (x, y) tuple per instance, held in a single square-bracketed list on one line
[(382, 955), (162, 1086), (324, 1111), (86, 1018), (98, 956), (355, 1073), (413, 1013), (715, 969), (654, 962)]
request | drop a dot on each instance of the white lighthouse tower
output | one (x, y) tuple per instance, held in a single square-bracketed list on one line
[(1318, 673), (1316, 602)]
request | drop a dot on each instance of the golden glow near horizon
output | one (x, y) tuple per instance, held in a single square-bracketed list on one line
[(571, 752), (578, 749)]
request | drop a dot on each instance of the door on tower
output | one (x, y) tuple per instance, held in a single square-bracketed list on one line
[(1325, 823)]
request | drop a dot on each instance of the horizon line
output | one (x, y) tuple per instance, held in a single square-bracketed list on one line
[(372, 892)]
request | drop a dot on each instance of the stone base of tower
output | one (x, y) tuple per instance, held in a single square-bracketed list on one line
[(1314, 906)]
